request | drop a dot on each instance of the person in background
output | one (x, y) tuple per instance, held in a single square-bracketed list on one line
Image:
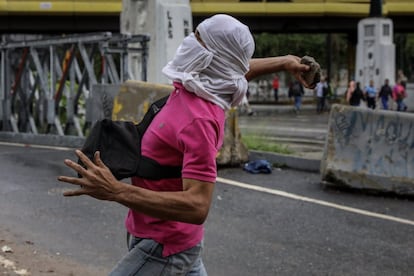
[(210, 73), (296, 91), (402, 78), (385, 94), (354, 94), (349, 90), (371, 94), (399, 94), (275, 85), (321, 91)]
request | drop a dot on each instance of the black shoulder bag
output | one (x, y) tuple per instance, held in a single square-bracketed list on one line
[(119, 144)]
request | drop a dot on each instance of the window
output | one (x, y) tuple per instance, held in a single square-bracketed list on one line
[(386, 30), (369, 30)]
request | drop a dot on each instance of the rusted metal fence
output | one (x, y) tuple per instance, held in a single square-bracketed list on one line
[(46, 83)]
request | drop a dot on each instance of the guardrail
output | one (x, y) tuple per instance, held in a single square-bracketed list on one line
[(46, 82)]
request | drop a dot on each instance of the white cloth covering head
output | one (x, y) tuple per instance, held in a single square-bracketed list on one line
[(217, 71)]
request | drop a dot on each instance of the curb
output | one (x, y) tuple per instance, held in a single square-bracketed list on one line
[(52, 140)]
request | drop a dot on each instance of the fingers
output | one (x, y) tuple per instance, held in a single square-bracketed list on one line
[(85, 160), (76, 167), (74, 181), (304, 68), (97, 159), (71, 180), (88, 172), (77, 192)]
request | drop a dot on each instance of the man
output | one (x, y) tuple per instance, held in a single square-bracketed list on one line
[(385, 94), (354, 93), (296, 91), (275, 85), (321, 91), (371, 94), (399, 94), (210, 72)]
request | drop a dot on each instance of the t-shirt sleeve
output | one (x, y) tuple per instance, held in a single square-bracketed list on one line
[(200, 142)]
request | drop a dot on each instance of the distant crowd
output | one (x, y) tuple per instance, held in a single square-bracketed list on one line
[(355, 95)]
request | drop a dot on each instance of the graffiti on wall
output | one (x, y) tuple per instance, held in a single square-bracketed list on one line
[(377, 143)]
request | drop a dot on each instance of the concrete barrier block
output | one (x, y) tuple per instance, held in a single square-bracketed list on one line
[(101, 101), (233, 152), (134, 99), (368, 149)]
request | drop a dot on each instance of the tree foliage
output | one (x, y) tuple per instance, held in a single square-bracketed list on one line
[(315, 45), (296, 44), (330, 51)]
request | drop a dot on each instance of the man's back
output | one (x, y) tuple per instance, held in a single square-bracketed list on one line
[(356, 97), (385, 91), (296, 90)]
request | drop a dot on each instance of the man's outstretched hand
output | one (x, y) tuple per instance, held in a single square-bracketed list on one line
[(96, 179)]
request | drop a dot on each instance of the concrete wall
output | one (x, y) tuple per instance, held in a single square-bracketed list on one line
[(167, 22), (370, 149)]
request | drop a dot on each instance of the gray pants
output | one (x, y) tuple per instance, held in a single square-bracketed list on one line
[(145, 258)]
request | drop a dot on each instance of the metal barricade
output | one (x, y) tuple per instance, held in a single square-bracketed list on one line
[(45, 83)]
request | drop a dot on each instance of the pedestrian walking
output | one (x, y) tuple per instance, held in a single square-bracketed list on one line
[(399, 94), (385, 94), (371, 94), (321, 91), (275, 85), (296, 92), (210, 73), (354, 93)]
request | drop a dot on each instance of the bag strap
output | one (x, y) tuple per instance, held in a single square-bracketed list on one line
[(149, 168), (154, 108)]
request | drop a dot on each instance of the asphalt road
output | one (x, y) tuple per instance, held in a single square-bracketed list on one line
[(283, 223)]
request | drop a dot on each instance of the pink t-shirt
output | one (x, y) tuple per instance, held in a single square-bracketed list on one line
[(188, 131)]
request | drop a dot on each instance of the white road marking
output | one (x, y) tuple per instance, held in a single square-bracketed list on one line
[(36, 146), (315, 201)]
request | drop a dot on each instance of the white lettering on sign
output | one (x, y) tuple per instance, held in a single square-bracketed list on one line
[(45, 5)]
